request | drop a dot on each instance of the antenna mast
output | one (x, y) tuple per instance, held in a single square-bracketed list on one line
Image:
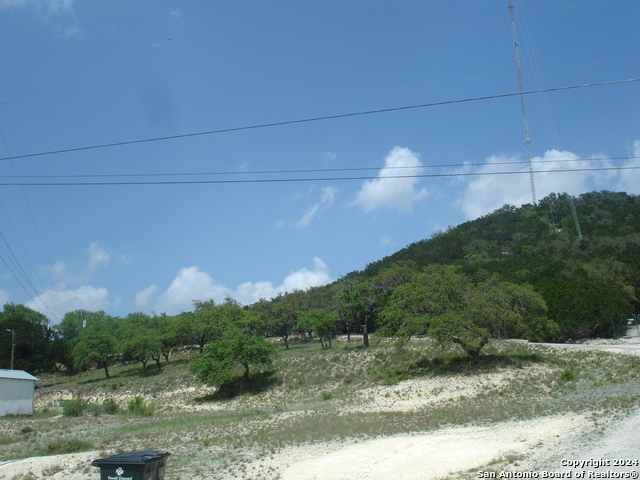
[(527, 140)]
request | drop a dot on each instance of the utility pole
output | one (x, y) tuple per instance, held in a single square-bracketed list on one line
[(13, 345)]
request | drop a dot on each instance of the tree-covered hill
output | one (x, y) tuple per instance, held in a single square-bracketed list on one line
[(609, 223), (565, 268), (586, 266)]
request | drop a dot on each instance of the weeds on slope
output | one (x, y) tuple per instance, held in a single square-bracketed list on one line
[(311, 395)]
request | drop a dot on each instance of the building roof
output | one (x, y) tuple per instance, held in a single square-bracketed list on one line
[(16, 375)]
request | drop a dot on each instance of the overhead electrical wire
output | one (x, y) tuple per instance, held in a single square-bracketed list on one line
[(320, 97), (35, 225), (316, 119), (318, 170), (315, 179), (13, 259), (302, 52)]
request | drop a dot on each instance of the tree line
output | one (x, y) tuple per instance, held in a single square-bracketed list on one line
[(517, 273)]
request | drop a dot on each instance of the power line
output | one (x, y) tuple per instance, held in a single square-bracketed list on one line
[(314, 179), (299, 52), (35, 225), (318, 170), (316, 119), (320, 97)]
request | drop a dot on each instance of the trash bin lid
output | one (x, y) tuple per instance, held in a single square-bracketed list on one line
[(132, 458)]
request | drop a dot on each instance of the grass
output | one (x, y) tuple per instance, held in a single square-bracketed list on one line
[(65, 445), (312, 395)]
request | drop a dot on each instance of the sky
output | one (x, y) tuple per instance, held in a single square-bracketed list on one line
[(156, 152)]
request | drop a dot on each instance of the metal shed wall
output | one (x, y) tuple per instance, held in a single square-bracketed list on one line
[(16, 396)]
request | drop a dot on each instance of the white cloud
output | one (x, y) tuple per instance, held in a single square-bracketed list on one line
[(248, 292), (326, 200), (304, 278), (190, 284), (72, 31), (63, 275), (54, 303), (394, 193), (97, 256), (4, 297), (308, 216), (495, 188), (48, 10), (143, 297), (193, 284), (629, 180), (385, 240), (51, 6)]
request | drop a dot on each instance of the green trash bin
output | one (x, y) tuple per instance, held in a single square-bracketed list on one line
[(142, 465)]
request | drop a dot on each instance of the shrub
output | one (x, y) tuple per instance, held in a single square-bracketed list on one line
[(66, 445), (138, 407), (74, 407), (110, 406)]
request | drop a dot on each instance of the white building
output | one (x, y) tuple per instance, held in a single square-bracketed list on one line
[(16, 392)]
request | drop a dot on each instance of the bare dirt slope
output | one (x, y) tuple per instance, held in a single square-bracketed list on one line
[(528, 445)]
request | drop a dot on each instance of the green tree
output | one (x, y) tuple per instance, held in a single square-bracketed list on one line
[(97, 343), (412, 305), (238, 347), (459, 328), (280, 315), (35, 342), (140, 339), (68, 331), (321, 321), (358, 305), (586, 305), (202, 325), (170, 335), (508, 310)]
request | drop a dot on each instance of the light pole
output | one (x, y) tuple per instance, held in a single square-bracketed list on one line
[(13, 345)]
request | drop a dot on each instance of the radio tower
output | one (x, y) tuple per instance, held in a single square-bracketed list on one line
[(527, 140)]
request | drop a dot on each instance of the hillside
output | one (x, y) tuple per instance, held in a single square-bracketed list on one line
[(589, 284), (532, 233), (520, 273), (420, 411)]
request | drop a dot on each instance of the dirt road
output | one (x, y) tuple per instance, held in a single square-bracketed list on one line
[(568, 445)]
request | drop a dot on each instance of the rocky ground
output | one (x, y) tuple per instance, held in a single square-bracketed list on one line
[(538, 445)]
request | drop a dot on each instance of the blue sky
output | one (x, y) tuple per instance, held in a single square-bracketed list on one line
[(90, 73)]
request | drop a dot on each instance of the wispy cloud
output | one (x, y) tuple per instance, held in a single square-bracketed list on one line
[(143, 297), (629, 180), (326, 200), (386, 240), (64, 274), (70, 287), (62, 10), (56, 7), (4, 297)]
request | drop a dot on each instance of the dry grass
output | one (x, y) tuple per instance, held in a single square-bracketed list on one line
[(312, 395)]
